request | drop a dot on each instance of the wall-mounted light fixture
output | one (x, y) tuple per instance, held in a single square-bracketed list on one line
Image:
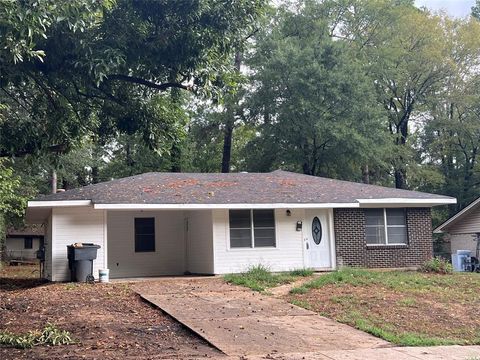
[(299, 226), (288, 212)]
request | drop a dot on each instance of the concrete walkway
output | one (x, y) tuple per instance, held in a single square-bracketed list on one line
[(395, 353), (238, 321)]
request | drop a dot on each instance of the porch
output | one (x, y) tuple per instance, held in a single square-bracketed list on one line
[(171, 242), (177, 242)]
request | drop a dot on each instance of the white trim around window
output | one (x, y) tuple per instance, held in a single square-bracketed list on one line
[(252, 229), (386, 230)]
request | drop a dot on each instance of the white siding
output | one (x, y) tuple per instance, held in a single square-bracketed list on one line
[(47, 270), (15, 247), (287, 255), (71, 225), (169, 255), (468, 224), (200, 242)]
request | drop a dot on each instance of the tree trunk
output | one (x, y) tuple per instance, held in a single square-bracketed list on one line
[(128, 157), (54, 182), (400, 179), (227, 147), (176, 149), (175, 158), (229, 124), (306, 169), (365, 174), (401, 171), (95, 175)]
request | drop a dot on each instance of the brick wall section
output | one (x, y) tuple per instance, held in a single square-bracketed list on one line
[(352, 250)]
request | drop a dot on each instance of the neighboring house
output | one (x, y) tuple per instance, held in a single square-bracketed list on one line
[(175, 223), (462, 228), (23, 243)]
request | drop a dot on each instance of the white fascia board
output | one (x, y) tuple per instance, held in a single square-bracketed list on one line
[(222, 206), (399, 202), (441, 227), (59, 203)]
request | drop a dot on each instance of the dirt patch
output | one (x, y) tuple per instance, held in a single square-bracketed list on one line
[(109, 321), (448, 312)]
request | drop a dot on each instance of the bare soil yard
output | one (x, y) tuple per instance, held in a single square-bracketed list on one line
[(108, 321), (406, 308)]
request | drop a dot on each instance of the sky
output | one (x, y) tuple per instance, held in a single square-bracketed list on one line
[(457, 8)]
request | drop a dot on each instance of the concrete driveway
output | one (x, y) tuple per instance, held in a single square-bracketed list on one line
[(238, 321)]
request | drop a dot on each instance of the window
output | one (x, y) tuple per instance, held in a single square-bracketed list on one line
[(28, 243), (144, 234), (316, 230), (252, 228), (386, 227)]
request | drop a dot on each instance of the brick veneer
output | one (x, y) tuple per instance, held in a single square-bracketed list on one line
[(352, 249)]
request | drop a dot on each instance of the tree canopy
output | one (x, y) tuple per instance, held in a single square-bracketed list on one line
[(378, 91), (76, 68)]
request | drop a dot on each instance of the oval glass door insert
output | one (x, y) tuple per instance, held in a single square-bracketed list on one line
[(316, 230)]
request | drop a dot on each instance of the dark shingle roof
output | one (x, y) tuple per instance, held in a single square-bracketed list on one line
[(233, 188), (30, 230)]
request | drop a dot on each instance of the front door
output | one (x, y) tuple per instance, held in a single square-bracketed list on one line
[(317, 240)]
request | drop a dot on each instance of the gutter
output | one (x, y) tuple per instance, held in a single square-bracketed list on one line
[(360, 203)]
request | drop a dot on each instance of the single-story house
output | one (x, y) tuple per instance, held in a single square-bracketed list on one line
[(176, 223), (463, 228), (23, 243)]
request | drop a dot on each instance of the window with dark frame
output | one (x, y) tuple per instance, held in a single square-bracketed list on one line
[(28, 242), (386, 226), (252, 228), (144, 234)]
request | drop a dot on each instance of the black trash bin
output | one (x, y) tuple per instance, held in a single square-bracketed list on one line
[(80, 261)]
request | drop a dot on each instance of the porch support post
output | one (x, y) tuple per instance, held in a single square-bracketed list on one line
[(331, 228), (105, 240)]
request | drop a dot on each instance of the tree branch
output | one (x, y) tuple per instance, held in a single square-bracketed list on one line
[(150, 84), (59, 148)]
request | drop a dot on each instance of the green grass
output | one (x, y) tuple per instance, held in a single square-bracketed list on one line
[(299, 290), (407, 302), (388, 333), (259, 278), (301, 303), (343, 299), (394, 280), (301, 272), (356, 277)]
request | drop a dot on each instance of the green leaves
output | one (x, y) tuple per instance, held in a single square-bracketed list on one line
[(50, 335), (11, 203), (312, 98), (24, 24), (476, 10), (72, 69)]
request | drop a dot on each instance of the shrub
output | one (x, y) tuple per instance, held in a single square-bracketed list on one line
[(437, 265), (50, 335), (259, 277), (302, 272)]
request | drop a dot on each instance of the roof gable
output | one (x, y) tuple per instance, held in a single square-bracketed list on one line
[(469, 214)]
